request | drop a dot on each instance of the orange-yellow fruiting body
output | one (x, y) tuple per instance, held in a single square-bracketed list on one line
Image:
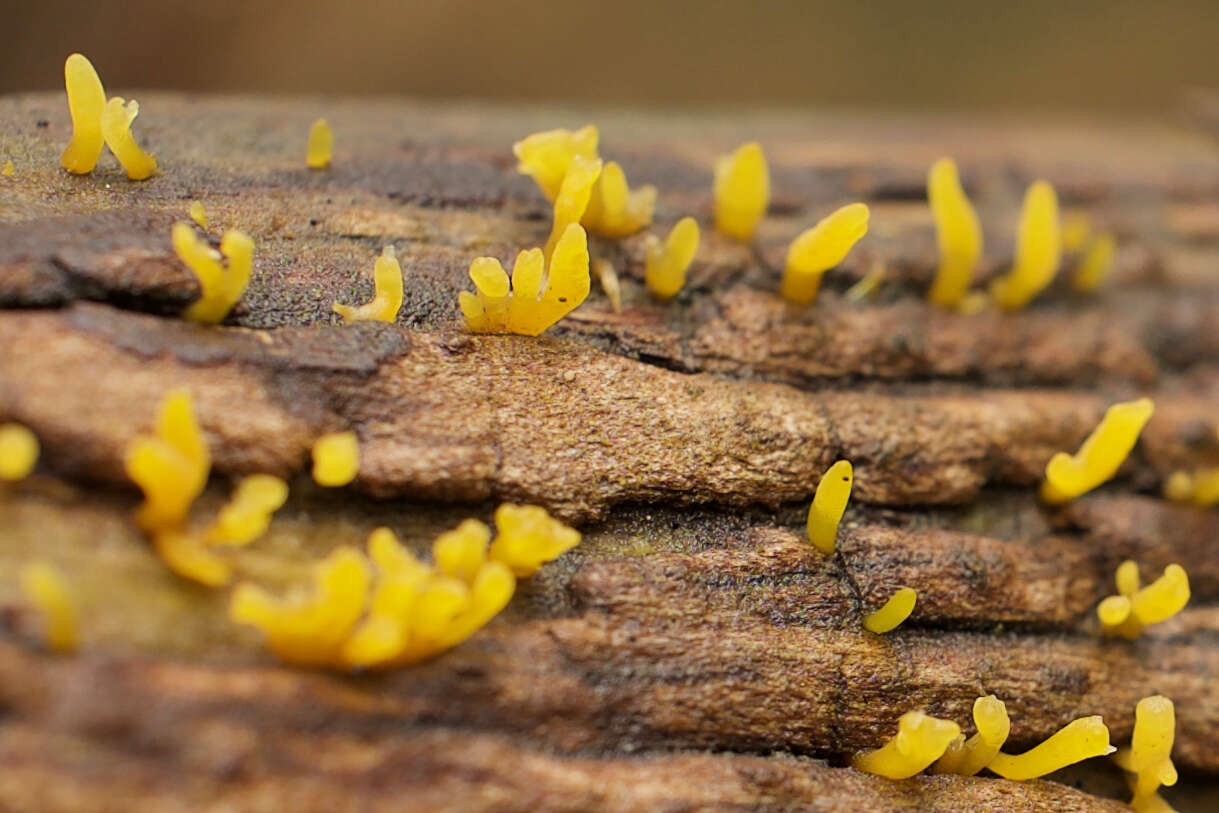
[(1095, 265), (548, 155), (614, 210), (9, 169), (530, 308), (573, 198), (742, 191), (958, 234), (18, 452), (1076, 232), (1080, 739), (1206, 487), (171, 466), (198, 214), (190, 558), (384, 307), (248, 512), (603, 270), (46, 589), (116, 129), (1179, 487), (1127, 613), (896, 610), (819, 249), (666, 264), (320, 148), (967, 757), (1038, 250), (1149, 756), (1068, 476), (527, 537), (336, 459), (86, 101), (222, 286), (920, 741), (829, 503)]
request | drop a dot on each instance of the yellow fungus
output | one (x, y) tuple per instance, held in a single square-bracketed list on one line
[(320, 148), (958, 234), (222, 286), (666, 264), (1179, 487), (336, 459), (116, 129), (18, 451), (920, 741), (1206, 487), (1095, 265), (1113, 610), (86, 101), (8, 169), (896, 610), (527, 537), (742, 191), (604, 271), (190, 558), (868, 284), (1149, 756), (46, 589), (171, 466), (1068, 476), (821, 248), (1127, 578), (614, 209), (1076, 232), (198, 214), (967, 757), (247, 514), (1038, 250), (548, 155), (539, 296), (384, 307), (573, 198), (829, 503), (1127, 613), (1080, 739)]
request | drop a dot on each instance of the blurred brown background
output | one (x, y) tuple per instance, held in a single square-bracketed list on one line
[(1130, 55)]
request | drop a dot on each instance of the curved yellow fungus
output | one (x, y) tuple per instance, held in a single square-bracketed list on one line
[(190, 558), (1068, 476), (86, 101), (1149, 756), (171, 466), (920, 741), (539, 297), (336, 459), (666, 264), (742, 191), (1038, 250), (198, 214), (614, 210), (819, 249), (1080, 739), (320, 148), (572, 199), (1127, 613), (967, 757), (896, 610), (384, 307), (604, 271), (1095, 265), (247, 514), (958, 234), (222, 286), (116, 129), (527, 537), (547, 156), (18, 452), (868, 283), (46, 589), (8, 169), (1076, 232), (829, 503)]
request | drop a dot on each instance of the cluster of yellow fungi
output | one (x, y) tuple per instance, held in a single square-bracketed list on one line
[(1201, 487), (222, 285), (1135, 607), (1102, 453), (96, 121), (387, 300), (320, 148), (1148, 758)]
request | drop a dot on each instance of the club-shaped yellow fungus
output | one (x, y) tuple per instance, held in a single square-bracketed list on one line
[(190, 558), (247, 514), (920, 741), (548, 155), (1100, 456), (614, 210), (116, 129), (539, 296), (1205, 487), (18, 452), (86, 102), (1095, 265), (604, 271), (1038, 250), (1149, 756), (829, 503), (819, 249), (336, 459), (1078, 740), (573, 198), (47, 591), (171, 466), (967, 757), (527, 537), (222, 286), (198, 214), (958, 234), (1132, 609), (320, 148), (896, 610), (666, 264), (742, 191), (384, 307), (9, 169)]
